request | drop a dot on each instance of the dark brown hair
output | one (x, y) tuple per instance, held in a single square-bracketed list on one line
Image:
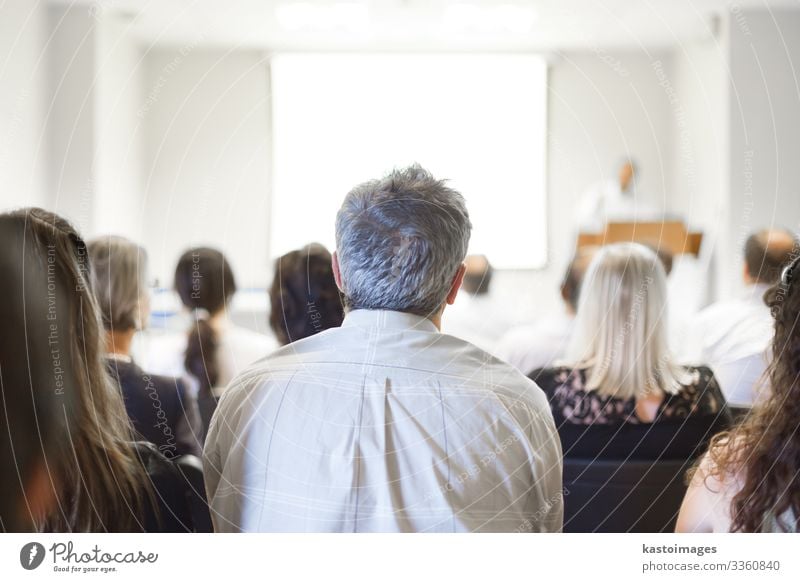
[(205, 283), (764, 450), (304, 298), (103, 485), (35, 395)]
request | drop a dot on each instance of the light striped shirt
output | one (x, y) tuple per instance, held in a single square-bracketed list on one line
[(387, 425)]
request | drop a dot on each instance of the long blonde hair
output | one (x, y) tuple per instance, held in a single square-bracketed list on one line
[(620, 333), (103, 485)]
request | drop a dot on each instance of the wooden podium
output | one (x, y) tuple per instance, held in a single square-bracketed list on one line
[(669, 234)]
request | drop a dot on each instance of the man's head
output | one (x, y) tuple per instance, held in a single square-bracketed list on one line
[(571, 285), (766, 252), (478, 275), (401, 243)]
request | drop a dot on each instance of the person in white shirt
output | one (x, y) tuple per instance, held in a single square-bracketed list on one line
[(477, 317), (385, 424), (542, 343), (734, 335), (614, 200)]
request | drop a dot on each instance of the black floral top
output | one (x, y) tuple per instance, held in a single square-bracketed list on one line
[(595, 425)]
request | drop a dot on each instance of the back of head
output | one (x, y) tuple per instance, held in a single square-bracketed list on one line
[(204, 280), (205, 283), (478, 275), (304, 298), (766, 252), (101, 483), (620, 333), (573, 278), (118, 278), (37, 384), (400, 241)]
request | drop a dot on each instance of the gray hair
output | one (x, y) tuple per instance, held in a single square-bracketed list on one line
[(400, 241), (621, 326), (118, 280)]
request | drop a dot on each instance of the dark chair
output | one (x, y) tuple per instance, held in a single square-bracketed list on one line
[(622, 496), (191, 468)]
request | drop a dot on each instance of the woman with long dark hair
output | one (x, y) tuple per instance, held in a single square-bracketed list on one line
[(304, 298), (102, 480), (749, 481), (216, 349)]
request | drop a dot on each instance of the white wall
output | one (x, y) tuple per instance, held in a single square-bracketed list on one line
[(601, 106), (699, 79), (206, 168), (71, 128), (764, 121), (117, 166), (23, 69)]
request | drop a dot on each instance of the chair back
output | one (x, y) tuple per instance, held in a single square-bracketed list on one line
[(623, 496), (191, 468)]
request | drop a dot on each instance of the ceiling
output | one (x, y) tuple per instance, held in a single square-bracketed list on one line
[(422, 25)]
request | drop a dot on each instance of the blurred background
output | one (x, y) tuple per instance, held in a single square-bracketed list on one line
[(242, 124)]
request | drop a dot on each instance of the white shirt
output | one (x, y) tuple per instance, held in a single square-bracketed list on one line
[(383, 425), (537, 345), (163, 353), (735, 337)]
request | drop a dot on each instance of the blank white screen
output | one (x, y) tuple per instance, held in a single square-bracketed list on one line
[(477, 120)]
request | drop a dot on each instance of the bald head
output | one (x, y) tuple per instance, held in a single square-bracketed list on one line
[(478, 275), (766, 252), (571, 285)]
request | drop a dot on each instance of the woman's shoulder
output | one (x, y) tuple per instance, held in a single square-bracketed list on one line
[(699, 395), (557, 375)]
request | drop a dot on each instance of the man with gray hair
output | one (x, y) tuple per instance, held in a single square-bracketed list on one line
[(385, 424)]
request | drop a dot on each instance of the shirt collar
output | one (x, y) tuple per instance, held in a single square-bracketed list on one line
[(119, 358), (385, 319)]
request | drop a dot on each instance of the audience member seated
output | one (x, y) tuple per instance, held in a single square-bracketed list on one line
[(161, 408), (304, 299), (747, 482), (385, 424), (36, 391), (542, 344), (215, 349), (734, 335), (102, 480), (622, 396), (475, 316)]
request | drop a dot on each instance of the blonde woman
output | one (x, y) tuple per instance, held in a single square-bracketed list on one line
[(101, 480), (620, 394)]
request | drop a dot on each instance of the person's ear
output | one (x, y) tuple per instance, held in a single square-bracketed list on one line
[(337, 274), (746, 275), (457, 280)]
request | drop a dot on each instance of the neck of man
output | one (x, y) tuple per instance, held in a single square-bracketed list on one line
[(119, 342)]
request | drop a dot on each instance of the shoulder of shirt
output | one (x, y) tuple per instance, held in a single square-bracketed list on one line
[(282, 364)]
